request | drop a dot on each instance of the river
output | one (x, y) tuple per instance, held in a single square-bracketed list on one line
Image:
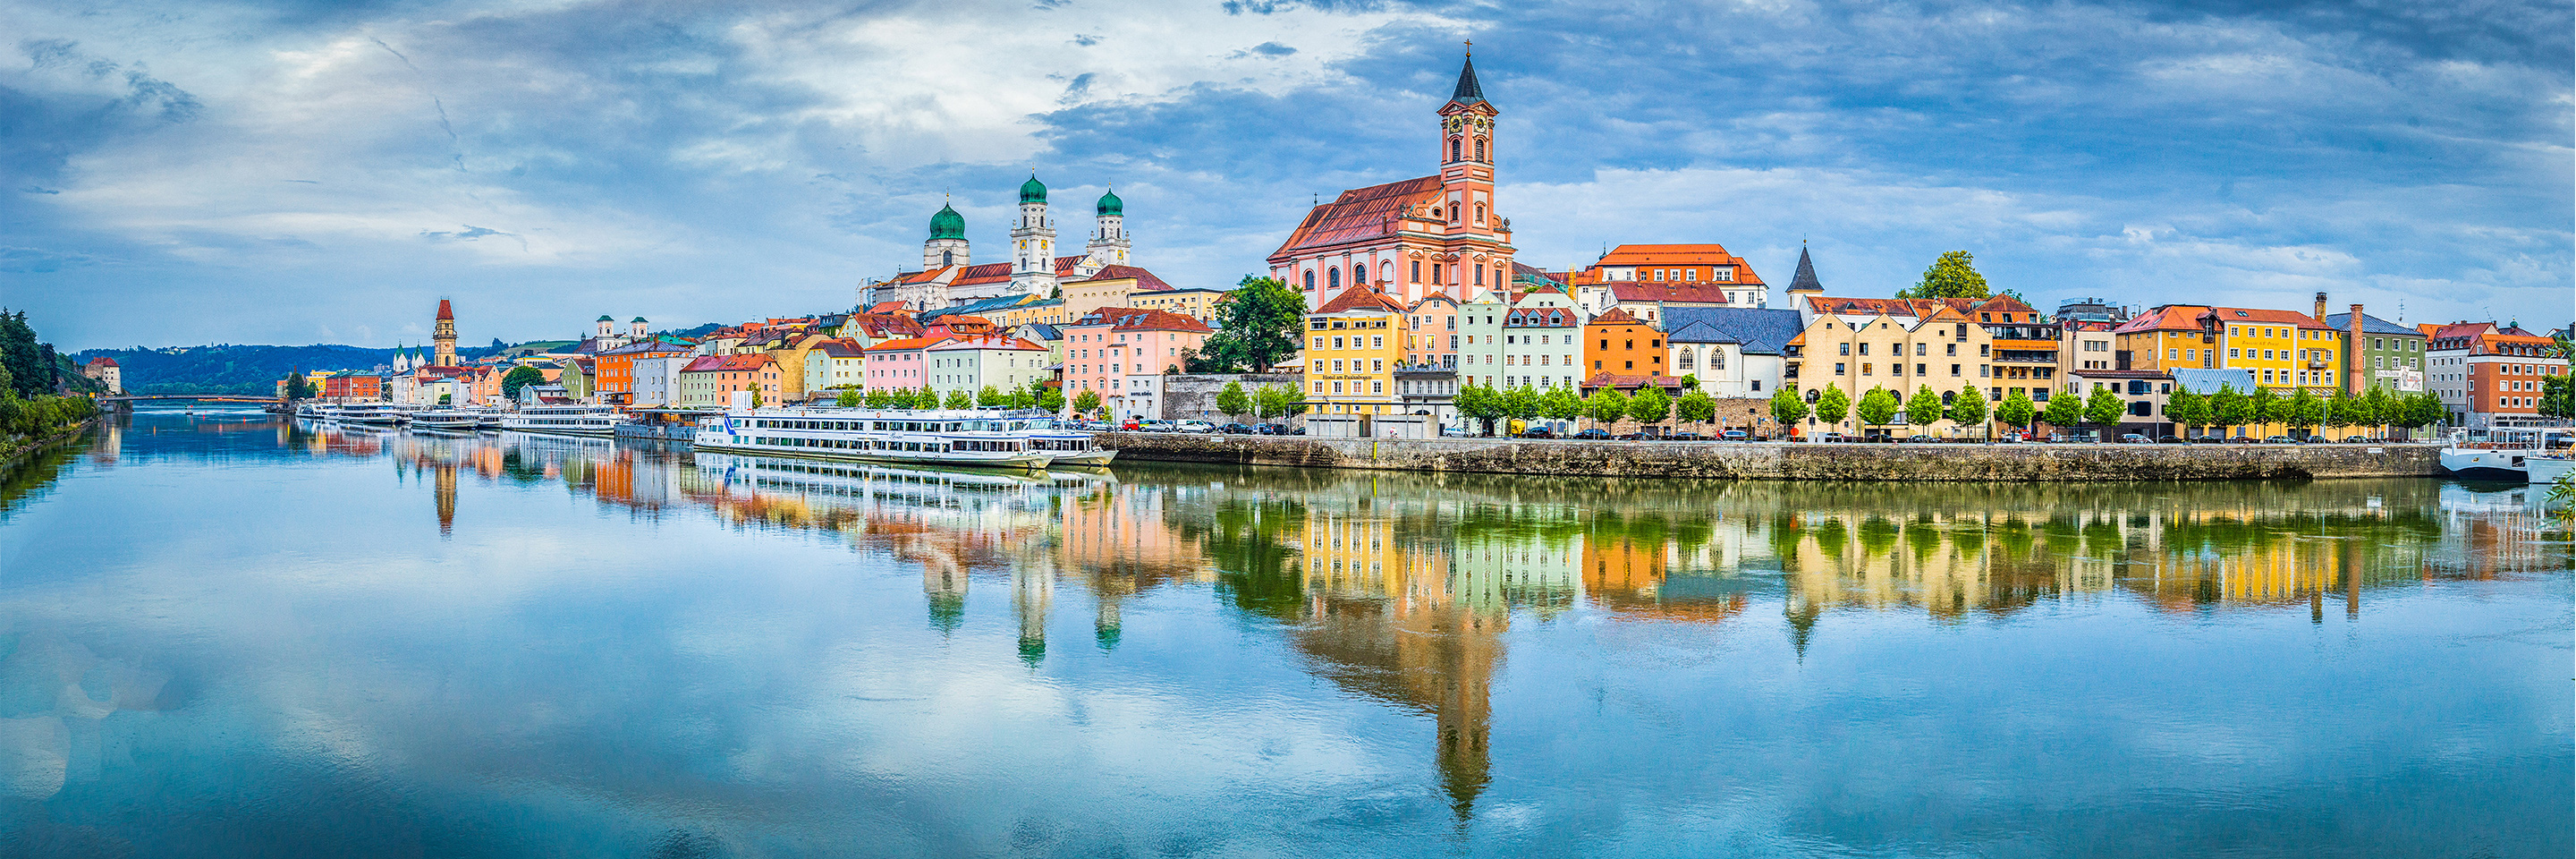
[(225, 635)]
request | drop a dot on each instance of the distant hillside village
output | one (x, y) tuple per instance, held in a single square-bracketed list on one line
[(1401, 310)]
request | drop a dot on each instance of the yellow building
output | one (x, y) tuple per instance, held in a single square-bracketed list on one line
[(1903, 345), (2284, 349), (1353, 344)]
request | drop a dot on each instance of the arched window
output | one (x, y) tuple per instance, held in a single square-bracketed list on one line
[(1480, 213), (1685, 361), (947, 257), (1716, 360), (1333, 278), (1310, 280), (1480, 149), (1453, 149), (1386, 270)]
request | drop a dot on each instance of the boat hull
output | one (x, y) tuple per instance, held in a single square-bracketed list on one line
[(2547, 469), (2480, 464), (1004, 461)]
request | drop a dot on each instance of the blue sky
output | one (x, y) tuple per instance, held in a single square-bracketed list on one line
[(177, 173)]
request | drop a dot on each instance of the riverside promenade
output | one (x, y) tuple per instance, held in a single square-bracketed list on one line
[(2011, 463)]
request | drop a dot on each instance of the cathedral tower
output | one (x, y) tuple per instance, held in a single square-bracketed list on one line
[(442, 337), (947, 244), (1033, 243), (1467, 181), (1109, 239)]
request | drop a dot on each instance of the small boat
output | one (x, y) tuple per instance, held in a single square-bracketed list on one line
[(1072, 448), (563, 420)]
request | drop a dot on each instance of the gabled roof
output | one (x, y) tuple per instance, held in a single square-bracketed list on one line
[(102, 361), (704, 363), (1616, 316), (988, 344), (841, 348), (907, 344), (1360, 298), (1040, 331), (645, 348), (1145, 280), (2201, 381), (2170, 317), (1700, 332), (1359, 213), (1762, 330), (1436, 295)]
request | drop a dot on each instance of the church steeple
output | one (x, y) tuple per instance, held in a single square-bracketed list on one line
[(1805, 280), (1468, 91)]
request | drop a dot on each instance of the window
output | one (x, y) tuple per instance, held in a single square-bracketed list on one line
[(1864, 348), (1310, 280), (1454, 145), (1838, 368), (1332, 278)]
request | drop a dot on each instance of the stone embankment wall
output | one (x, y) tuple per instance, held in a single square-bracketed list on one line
[(1879, 462)]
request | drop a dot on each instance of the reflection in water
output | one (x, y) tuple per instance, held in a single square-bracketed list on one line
[(1405, 589)]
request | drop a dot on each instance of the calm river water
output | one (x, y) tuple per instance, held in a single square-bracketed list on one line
[(226, 636)]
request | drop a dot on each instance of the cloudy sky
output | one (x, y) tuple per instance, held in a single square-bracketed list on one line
[(298, 172)]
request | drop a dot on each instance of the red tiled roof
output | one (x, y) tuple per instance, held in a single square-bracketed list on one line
[(1141, 319), (2174, 317), (102, 361), (986, 343), (444, 313), (1360, 298), (1711, 254), (907, 343), (841, 348), (704, 363), (1670, 293), (1145, 280), (1359, 213), (885, 307), (1615, 316)]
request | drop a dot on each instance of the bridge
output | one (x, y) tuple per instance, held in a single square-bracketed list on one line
[(203, 398)]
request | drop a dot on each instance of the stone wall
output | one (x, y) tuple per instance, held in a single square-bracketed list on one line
[(1864, 462), (1193, 397)]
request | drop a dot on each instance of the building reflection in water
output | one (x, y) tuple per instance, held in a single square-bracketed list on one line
[(1403, 588)]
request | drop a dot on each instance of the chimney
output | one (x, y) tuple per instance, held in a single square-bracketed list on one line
[(2321, 307), (2357, 379)]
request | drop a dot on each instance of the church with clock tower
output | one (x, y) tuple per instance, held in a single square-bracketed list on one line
[(1436, 234)]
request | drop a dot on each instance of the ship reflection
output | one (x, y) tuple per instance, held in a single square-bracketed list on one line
[(1404, 588)]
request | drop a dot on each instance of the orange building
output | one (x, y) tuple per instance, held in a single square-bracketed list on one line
[(1618, 344), (2490, 376), (345, 387), (613, 371), (1431, 332), (1644, 277)]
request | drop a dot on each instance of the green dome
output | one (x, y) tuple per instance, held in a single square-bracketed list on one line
[(947, 224), (1111, 205), (1033, 191)]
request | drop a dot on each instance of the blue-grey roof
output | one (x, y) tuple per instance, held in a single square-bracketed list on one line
[(1040, 331), (2207, 381), (1763, 331), (2371, 325), (1699, 332), (973, 309)]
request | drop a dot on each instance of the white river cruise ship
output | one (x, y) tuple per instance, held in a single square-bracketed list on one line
[(987, 439), (563, 420)]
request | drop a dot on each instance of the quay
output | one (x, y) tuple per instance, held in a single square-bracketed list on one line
[(1912, 463)]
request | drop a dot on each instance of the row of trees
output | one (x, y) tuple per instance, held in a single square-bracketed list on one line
[(1649, 406), (1262, 403), (2105, 409), (27, 367), (28, 417), (1036, 396)]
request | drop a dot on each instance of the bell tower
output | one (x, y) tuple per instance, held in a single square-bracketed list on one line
[(1109, 239), (1033, 242), (1467, 183), (442, 337), (947, 244)]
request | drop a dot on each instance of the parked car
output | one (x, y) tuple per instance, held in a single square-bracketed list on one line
[(1685, 436), (1735, 435), (1296, 431), (1235, 429), (1538, 432), (2244, 439), (2276, 439), (1593, 434), (1634, 436), (1202, 427), (1131, 425), (2170, 439), (2133, 438), (1919, 438), (2317, 439), (2206, 438), (2359, 439), (1830, 437)]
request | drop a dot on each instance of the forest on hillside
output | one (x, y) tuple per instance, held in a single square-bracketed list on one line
[(232, 369)]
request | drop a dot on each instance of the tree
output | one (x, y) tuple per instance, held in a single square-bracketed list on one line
[(2418, 409), (518, 378), (1878, 407), (1521, 403), (1968, 409), (960, 399), (1606, 406), (1954, 275), (880, 399), (298, 387), (2227, 408), (1786, 409), (990, 397), (2017, 409), (2304, 410), (1924, 409), (2103, 409), (1258, 325), (1050, 399), (2186, 409), (31, 372), (443, 398), (2558, 396), (2267, 406), (925, 397), (1833, 405), (2063, 411), (1651, 405), (1481, 403), (2378, 408), (849, 398), (1560, 404), (1690, 381), (1087, 402), (1233, 401), (755, 393), (2338, 410), (1696, 407)]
